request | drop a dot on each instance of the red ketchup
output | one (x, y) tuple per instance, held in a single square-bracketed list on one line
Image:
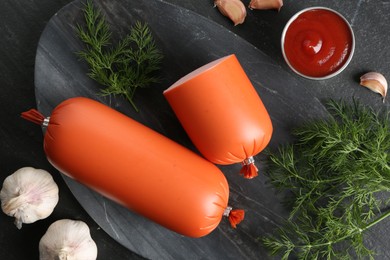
[(318, 43)]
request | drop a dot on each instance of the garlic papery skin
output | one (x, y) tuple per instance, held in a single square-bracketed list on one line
[(29, 195), (376, 82), (233, 9), (266, 4), (67, 239)]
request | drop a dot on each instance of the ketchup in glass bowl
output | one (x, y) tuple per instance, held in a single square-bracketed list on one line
[(318, 43)]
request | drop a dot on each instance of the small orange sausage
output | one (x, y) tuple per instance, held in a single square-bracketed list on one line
[(222, 113), (136, 166)]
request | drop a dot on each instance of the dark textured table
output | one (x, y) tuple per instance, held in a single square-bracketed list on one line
[(21, 142)]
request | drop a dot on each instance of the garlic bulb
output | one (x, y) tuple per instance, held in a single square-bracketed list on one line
[(233, 9), (266, 4), (29, 195), (67, 239), (375, 82)]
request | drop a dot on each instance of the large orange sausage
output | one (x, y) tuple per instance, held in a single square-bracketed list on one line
[(135, 166), (222, 113)]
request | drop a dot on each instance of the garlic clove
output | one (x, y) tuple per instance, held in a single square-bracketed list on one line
[(67, 239), (376, 82), (233, 9), (266, 4), (29, 195)]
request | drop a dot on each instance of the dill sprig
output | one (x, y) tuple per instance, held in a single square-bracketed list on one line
[(336, 175), (121, 68)]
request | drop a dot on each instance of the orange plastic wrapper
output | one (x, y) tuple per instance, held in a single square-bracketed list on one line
[(222, 113), (135, 166)]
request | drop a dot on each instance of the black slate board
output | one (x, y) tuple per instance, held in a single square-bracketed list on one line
[(188, 41)]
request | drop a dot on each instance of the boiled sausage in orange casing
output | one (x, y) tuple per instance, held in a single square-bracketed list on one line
[(136, 166), (222, 113)]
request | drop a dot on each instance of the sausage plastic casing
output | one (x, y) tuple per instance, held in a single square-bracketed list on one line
[(221, 111), (136, 166)]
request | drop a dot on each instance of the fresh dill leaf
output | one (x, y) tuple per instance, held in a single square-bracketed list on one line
[(121, 68), (335, 173)]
